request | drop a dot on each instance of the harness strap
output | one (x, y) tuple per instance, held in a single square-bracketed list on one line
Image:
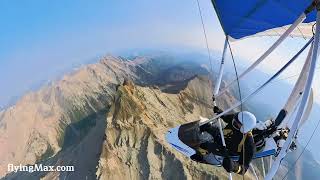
[(243, 140), (239, 169)]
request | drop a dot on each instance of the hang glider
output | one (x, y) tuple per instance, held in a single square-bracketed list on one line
[(239, 20)]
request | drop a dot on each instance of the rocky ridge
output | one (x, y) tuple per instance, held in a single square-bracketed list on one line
[(135, 146), (108, 127), (33, 129)]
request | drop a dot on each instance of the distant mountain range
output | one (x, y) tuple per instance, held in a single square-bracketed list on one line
[(108, 119)]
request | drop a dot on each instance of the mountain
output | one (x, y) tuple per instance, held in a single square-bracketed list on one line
[(109, 119), (35, 127), (135, 146)]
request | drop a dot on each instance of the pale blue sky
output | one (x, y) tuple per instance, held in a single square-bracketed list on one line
[(41, 39)]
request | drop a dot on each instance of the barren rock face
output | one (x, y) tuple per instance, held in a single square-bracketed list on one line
[(103, 122), (35, 126), (135, 146)]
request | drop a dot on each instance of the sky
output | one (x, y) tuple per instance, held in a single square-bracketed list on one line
[(42, 39)]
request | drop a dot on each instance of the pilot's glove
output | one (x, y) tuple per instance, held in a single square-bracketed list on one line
[(264, 125), (269, 123), (261, 126), (284, 133)]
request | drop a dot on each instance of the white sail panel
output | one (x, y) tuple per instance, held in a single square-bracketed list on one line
[(297, 90), (303, 30), (307, 112)]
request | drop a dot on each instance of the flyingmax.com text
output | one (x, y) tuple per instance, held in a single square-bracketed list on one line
[(38, 167)]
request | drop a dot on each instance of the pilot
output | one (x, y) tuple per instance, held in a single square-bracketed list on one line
[(238, 138)]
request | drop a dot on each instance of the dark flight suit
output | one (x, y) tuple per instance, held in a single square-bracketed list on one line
[(236, 143)]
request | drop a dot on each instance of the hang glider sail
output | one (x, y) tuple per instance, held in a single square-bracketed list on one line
[(297, 18), (261, 17)]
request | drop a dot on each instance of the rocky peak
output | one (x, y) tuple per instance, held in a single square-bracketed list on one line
[(135, 146)]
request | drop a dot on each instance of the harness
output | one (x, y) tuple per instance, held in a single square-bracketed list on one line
[(243, 140), (229, 136)]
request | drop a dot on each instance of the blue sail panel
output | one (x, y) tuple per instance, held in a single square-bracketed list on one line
[(240, 19)]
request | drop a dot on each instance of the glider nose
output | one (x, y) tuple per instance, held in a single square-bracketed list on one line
[(172, 135), (173, 139)]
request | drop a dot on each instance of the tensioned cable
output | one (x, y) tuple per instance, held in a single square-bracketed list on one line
[(304, 148), (304, 37), (207, 44), (263, 85), (295, 57), (312, 132), (240, 98), (236, 72), (275, 81), (292, 76), (234, 65)]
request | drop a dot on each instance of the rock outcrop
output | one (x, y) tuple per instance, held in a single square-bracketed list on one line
[(135, 146), (34, 128)]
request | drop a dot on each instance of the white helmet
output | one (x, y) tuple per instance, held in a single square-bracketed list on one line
[(248, 121)]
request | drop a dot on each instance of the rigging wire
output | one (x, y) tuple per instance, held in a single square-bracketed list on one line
[(291, 76), (210, 60), (207, 44), (303, 150), (300, 155), (237, 78), (240, 97), (236, 72), (283, 68), (304, 37), (263, 85), (275, 81)]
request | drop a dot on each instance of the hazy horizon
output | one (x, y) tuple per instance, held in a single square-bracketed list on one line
[(41, 39)]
